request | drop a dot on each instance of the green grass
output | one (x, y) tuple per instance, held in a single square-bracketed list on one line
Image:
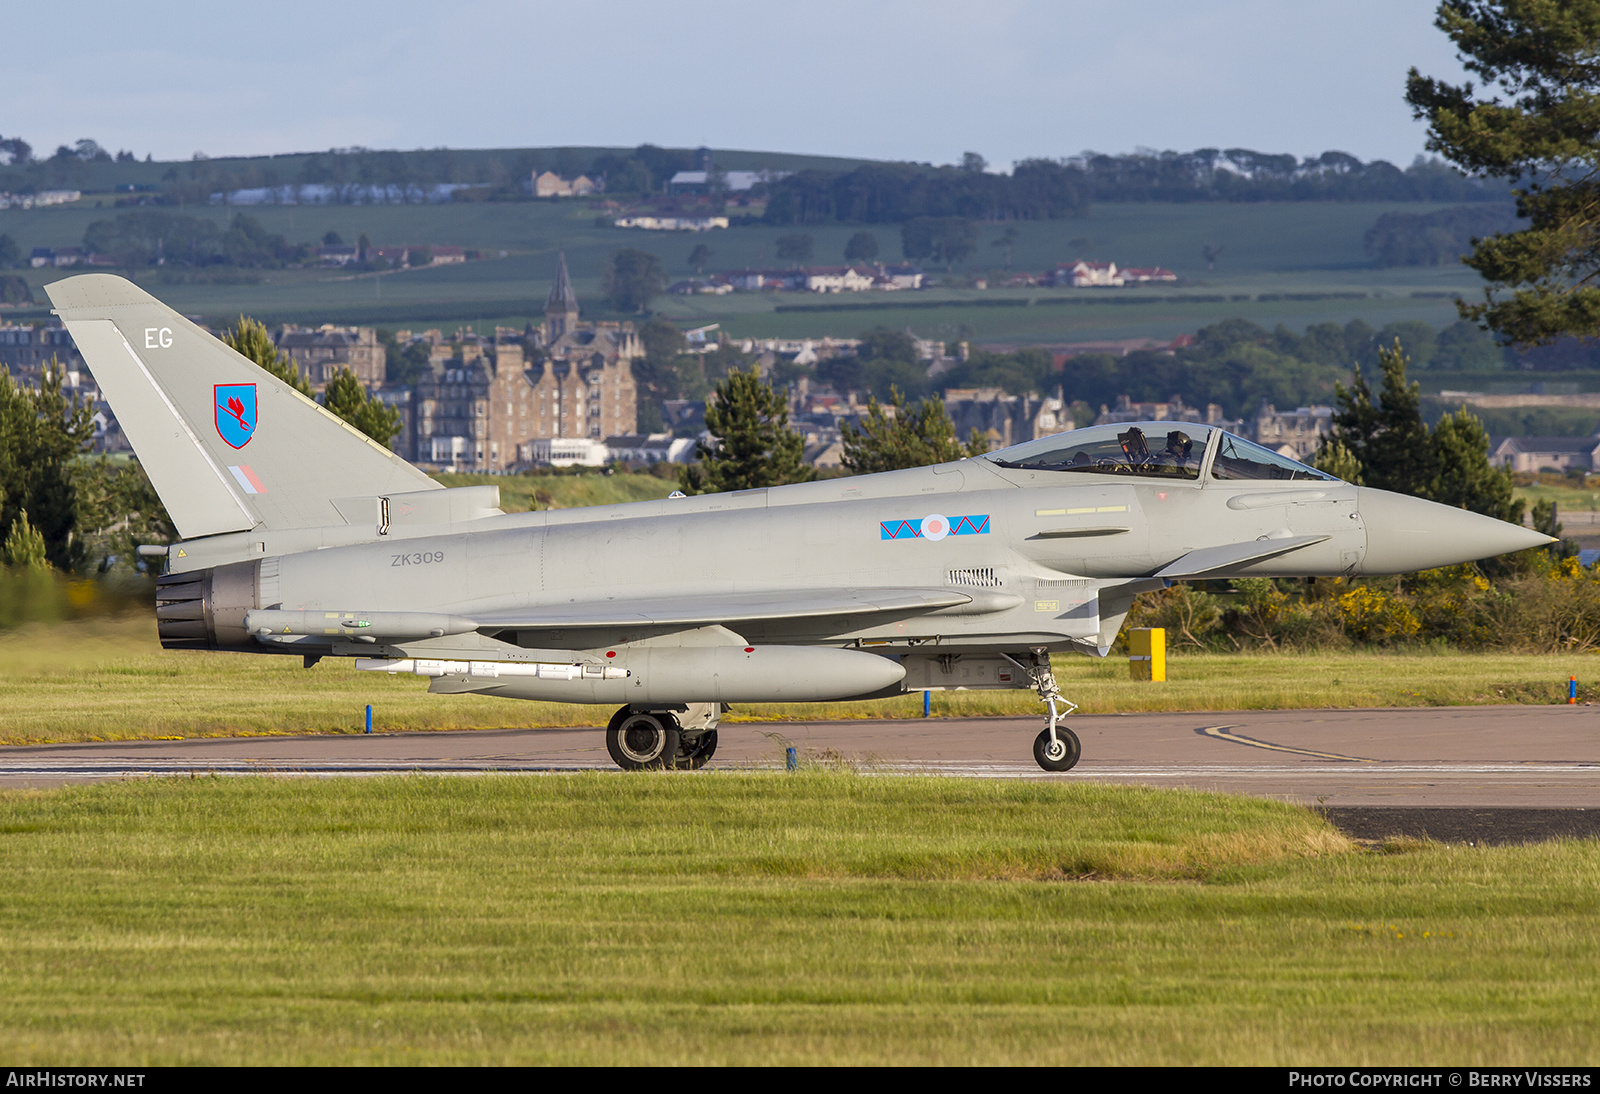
[(523, 493), (1268, 248), (814, 918), (1567, 495), (108, 679)]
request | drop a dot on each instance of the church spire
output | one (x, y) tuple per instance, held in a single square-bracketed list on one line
[(561, 306)]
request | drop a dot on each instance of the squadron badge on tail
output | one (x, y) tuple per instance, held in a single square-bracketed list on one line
[(236, 413)]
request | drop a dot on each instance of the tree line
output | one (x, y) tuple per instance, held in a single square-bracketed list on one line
[(66, 510), (1241, 174), (150, 237), (887, 192), (1435, 239), (892, 193)]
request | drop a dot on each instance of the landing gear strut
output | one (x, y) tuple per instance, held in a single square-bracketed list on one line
[(1056, 748)]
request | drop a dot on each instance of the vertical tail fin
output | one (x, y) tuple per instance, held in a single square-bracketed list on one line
[(227, 445)]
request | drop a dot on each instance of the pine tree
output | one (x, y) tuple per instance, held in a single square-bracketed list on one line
[(908, 438), (251, 339), (1535, 120), (42, 434), (1465, 477), (349, 400), (754, 445), (1386, 435), (1334, 458), (1385, 444), (24, 548)]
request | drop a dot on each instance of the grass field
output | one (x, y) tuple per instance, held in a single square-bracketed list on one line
[(1267, 248), (1568, 496), (109, 680), (810, 918), (525, 493)]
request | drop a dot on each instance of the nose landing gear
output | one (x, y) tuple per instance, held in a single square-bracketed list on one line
[(1057, 748)]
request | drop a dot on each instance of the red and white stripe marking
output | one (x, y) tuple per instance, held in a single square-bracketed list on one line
[(247, 478)]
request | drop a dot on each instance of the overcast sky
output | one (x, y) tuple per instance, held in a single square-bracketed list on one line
[(890, 79)]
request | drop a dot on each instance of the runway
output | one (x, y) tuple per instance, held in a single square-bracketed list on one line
[(1516, 757)]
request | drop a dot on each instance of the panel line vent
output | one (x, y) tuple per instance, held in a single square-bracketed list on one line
[(982, 577)]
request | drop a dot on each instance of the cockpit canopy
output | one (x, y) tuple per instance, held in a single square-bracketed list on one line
[(1169, 450)]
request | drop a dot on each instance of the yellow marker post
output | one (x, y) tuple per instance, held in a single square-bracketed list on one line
[(1147, 653)]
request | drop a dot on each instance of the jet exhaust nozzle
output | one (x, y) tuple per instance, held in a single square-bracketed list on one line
[(205, 609)]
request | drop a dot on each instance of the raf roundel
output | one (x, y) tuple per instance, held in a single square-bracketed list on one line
[(935, 526)]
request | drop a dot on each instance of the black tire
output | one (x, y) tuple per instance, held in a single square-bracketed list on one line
[(1061, 758), (693, 753), (638, 742)]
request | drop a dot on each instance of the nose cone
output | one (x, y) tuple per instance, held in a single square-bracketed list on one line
[(1405, 534)]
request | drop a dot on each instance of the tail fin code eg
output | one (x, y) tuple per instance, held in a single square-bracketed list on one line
[(227, 445)]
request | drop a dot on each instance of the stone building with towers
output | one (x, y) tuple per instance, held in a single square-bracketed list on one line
[(485, 400)]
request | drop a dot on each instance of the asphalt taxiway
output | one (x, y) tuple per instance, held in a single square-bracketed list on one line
[(1437, 757)]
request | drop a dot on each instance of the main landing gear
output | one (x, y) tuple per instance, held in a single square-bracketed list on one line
[(657, 739), (1056, 748)]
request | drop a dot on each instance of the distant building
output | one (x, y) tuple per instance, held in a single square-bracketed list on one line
[(1173, 410), (339, 254), (1535, 454), (43, 197), (696, 285), (650, 448), (1084, 275), (1150, 273), (901, 277), (672, 224), (320, 353), (748, 280), (1004, 420), (1294, 433), (57, 256), (567, 452), (351, 193), (730, 182), (827, 455), (25, 349), (839, 278), (548, 184), (490, 403), (822, 279)]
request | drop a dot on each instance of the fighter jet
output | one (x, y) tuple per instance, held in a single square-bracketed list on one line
[(301, 536)]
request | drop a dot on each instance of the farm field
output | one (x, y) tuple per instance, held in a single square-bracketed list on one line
[(1295, 248), (817, 918), (108, 679)]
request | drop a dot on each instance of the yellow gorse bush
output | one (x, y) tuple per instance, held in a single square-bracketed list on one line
[(1371, 615)]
